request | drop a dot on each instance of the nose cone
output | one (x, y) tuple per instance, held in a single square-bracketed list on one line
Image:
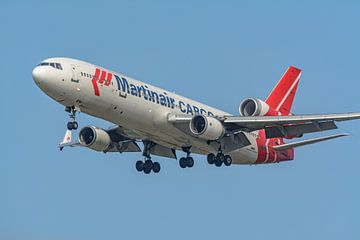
[(38, 75)]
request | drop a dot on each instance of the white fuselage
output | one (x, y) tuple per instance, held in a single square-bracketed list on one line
[(139, 107)]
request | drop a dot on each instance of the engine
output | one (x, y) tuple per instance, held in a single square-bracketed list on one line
[(207, 128), (94, 138), (253, 107)]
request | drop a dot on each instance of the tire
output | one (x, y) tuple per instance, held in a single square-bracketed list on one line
[(190, 162), (227, 160), (139, 166), (148, 166), (147, 170), (211, 158), (70, 126), (183, 162), (156, 167), (75, 125), (220, 157), (218, 163)]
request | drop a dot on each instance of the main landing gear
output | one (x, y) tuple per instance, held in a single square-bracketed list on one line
[(187, 161), (219, 159), (147, 165), (71, 125)]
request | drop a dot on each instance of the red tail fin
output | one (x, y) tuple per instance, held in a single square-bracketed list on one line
[(282, 96)]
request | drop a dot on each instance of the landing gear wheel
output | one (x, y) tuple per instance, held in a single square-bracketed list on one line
[(183, 162), (219, 159), (147, 170), (69, 126), (218, 163), (156, 167), (72, 125), (211, 158), (227, 160), (148, 166), (190, 162), (139, 166)]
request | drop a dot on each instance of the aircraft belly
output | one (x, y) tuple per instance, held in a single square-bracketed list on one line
[(246, 155)]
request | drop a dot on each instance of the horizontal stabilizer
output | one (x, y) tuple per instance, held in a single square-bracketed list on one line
[(307, 142)]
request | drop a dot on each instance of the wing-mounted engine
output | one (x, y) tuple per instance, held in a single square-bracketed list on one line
[(94, 138), (208, 128), (252, 107)]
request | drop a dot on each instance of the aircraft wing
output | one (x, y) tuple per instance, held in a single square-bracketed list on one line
[(120, 143), (123, 140), (274, 126), (287, 126)]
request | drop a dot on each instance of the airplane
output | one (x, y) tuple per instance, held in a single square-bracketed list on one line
[(167, 123)]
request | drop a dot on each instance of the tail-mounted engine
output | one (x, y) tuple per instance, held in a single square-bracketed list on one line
[(94, 138), (251, 107), (208, 128)]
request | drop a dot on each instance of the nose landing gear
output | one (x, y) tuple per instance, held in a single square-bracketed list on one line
[(71, 125)]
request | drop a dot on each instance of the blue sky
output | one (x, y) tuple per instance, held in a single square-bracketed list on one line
[(215, 52)]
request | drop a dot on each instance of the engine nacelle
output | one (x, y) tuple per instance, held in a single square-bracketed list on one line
[(94, 138), (253, 107), (208, 128)]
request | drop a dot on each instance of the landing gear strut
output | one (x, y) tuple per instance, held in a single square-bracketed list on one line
[(147, 165), (186, 161), (71, 125), (219, 159)]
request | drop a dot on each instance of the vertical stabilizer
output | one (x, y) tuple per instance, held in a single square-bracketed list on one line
[(282, 96)]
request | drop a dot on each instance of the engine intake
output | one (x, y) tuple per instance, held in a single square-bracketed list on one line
[(94, 138), (253, 107), (208, 128)]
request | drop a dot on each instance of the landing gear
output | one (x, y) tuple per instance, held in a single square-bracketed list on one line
[(219, 159), (71, 125), (147, 165), (187, 161)]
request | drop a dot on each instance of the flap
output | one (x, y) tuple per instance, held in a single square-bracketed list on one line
[(162, 151), (297, 130)]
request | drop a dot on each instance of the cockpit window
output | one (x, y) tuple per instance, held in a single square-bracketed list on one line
[(58, 66), (54, 65)]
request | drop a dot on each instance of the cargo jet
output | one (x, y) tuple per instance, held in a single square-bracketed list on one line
[(166, 122)]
